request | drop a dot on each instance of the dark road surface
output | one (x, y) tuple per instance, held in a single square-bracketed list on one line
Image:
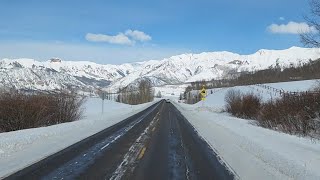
[(157, 143)]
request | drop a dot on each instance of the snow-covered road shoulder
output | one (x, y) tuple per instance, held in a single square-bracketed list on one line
[(19, 149), (254, 152)]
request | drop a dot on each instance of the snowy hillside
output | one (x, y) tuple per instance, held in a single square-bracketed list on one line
[(208, 65), (50, 75), (88, 76)]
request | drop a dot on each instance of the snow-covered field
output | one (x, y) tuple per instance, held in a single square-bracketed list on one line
[(171, 91), (19, 149), (250, 151), (295, 86), (215, 102)]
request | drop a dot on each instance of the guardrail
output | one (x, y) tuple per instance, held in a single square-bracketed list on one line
[(282, 92)]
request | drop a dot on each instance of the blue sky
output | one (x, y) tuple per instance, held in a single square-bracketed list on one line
[(118, 31)]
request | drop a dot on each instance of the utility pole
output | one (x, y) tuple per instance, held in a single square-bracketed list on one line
[(103, 96)]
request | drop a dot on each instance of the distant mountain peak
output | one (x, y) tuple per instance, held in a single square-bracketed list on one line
[(88, 76)]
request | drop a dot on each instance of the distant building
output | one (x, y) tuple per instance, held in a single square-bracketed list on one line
[(53, 60)]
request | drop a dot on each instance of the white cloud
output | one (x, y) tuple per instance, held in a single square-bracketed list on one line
[(282, 18), (291, 28), (117, 39), (138, 35), (128, 38)]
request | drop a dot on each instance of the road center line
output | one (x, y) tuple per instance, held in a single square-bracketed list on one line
[(142, 152)]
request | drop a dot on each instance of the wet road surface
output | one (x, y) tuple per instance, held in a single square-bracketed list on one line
[(157, 143)]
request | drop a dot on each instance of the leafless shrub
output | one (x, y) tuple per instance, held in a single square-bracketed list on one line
[(22, 111), (294, 114), (233, 102), (250, 105), (242, 105)]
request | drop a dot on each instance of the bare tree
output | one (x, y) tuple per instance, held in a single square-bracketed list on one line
[(181, 96), (316, 86), (159, 95), (137, 95), (312, 39)]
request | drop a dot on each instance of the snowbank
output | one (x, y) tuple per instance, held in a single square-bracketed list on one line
[(19, 149), (254, 152)]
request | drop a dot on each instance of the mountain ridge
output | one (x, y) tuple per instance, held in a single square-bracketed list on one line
[(26, 73)]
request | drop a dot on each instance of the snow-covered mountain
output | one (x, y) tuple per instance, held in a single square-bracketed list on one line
[(56, 74), (209, 65)]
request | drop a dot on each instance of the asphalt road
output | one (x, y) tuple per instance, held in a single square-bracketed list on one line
[(157, 143)]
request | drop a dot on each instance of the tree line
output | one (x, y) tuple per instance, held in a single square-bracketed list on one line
[(142, 93)]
